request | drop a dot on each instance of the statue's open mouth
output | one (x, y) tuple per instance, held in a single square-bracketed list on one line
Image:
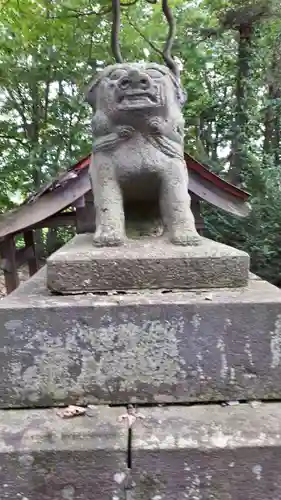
[(137, 98), (131, 96)]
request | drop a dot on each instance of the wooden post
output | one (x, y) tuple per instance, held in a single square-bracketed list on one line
[(195, 207), (84, 208), (32, 259), (8, 263)]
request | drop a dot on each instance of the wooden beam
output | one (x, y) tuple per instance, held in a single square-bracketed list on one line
[(32, 259), (8, 253), (79, 203), (60, 219)]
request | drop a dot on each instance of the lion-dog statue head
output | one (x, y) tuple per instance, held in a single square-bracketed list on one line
[(125, 93)]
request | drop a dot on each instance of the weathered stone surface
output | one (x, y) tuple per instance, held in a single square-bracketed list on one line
[(154, 263), (208, 453), (47, 458), (150, 346), (138, 140), (196, 453)]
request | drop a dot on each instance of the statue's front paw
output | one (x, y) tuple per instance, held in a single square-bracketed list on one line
[(107, 238), (186, 238), (125, 132), (156, 125)]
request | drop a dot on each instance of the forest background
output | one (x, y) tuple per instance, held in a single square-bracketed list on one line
[(230, 54)]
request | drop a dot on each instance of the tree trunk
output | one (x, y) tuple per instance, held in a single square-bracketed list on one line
[(269, 123), (276, 129), (272, 139), (239, 157)]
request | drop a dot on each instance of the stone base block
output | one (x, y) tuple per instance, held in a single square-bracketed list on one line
[(79, 267), (176, 453), (140, 347), (47, 458), (208, 453)]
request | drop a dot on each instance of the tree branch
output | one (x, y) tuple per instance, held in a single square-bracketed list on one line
[(151, 44), (132, 3), (4, 5), (102, 12), (115, 46), (48, 79), (76, 14), (18, 109), (170, 40), (12, 138)]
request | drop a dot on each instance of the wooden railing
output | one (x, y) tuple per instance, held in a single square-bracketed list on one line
[(13, 258)]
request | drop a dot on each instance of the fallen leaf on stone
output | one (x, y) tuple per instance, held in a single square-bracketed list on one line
[(92, 407), (71, 411), (131, 416), (255, 404), (209, 296), (91, 410)]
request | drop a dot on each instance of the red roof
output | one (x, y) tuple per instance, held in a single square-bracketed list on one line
[(73, 183)]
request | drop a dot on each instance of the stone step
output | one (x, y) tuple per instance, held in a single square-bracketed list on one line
[(79, 267), (45, 457), (142, 347), (208, 453), (177, 453)]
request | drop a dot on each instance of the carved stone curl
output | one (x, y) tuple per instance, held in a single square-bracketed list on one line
[(138, 150)]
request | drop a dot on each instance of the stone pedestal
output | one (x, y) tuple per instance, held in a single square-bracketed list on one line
[(151, 347), (189, 327), (79, 267)]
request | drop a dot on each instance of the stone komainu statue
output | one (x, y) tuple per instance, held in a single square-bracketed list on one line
[(138, 150)]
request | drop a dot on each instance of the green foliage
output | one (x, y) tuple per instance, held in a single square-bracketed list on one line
[(49, 50), (259, 234)]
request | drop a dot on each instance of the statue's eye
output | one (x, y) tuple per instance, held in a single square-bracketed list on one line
[(117, 74), (154, 73)]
